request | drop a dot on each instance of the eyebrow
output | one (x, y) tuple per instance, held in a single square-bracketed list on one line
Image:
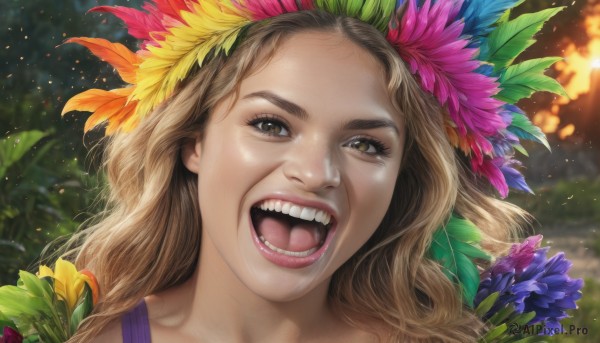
[(280, 102), (366, 124), (297, 111)]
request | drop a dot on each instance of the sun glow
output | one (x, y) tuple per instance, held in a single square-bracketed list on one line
[(575, 74)]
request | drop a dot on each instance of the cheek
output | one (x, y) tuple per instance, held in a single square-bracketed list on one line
[(230, 166), (372, 191)]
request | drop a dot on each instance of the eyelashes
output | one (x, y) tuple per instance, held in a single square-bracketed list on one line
[(270, 125), (369, 146), (275, 126)]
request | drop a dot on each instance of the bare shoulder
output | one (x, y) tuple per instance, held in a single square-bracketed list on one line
[(110, 334)]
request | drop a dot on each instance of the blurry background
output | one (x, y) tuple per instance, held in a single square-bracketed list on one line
[(48, 178)]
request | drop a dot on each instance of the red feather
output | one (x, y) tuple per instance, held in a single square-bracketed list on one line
[(172, 8), (139, 23)]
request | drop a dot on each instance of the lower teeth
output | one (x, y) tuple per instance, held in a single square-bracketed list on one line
[(287, 252)]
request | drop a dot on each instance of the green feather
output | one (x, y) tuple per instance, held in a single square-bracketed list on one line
[(522, 80), (506, 16), (523, 128), (353, 8), (454, 248), (520, 149), (375, 13), (511, 38)]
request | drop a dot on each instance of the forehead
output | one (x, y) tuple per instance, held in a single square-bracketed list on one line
[(322, 71)]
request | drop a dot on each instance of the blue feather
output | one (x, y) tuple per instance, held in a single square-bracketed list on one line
[(487, 70), (481, 15), (514, 179)]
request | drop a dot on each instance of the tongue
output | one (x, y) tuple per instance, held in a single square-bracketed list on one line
[(299, 237)]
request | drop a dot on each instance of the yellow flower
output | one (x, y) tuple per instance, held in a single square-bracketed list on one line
[(45, 271), (69, 284)]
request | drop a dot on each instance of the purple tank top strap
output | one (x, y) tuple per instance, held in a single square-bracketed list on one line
[(135, 325)]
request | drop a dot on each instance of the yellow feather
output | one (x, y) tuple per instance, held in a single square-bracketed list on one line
[(214, 24)]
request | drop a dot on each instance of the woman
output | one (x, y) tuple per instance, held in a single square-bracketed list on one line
[(288, 189)]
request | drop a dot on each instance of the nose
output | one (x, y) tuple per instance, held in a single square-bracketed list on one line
[(312, 167)]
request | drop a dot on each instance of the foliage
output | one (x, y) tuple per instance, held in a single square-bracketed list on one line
[(39, 199), (45, 192), (48, 307), (566, 201), (595, 244)]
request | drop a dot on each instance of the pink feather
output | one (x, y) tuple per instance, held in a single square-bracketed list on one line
[(491, 170), (139, 23), (430, 42), (152, 24), (261, 9)]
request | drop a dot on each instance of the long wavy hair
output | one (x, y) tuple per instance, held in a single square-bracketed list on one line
[(152, 213)]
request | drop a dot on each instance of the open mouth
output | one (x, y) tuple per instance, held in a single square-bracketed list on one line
[(290, 229)]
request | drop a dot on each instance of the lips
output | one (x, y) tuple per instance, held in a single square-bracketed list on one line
[(292, 233)]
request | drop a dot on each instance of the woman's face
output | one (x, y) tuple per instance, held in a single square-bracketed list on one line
[(296, 173)]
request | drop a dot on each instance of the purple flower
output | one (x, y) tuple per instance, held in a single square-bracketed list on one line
[(11, 335), (529, 281), (519, 256)]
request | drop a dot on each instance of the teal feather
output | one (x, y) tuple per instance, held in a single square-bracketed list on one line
[(522, 80), (523, 128), (454, 246), (511, 38)]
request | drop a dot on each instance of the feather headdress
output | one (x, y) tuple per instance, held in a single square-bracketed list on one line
[(460, 51)]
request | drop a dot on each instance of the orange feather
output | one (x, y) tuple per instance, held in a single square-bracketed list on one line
[(112, 106), (119, 56)]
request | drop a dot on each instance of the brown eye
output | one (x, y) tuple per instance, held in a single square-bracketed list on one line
[(368, 146), (363, 146), (271, 127)]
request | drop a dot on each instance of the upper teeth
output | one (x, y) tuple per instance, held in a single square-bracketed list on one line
[(296, 211)]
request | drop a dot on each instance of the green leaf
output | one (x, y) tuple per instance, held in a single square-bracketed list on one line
[(453, 248), (5, 321), (51, 334), (13, 147), (501, 316), (31, 339), (524, 128), (18, 301), (494, 333), (511, 38), (522, 80), (83, 309), (31, 283), (524, 318), (487, 303), (41, 288)]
